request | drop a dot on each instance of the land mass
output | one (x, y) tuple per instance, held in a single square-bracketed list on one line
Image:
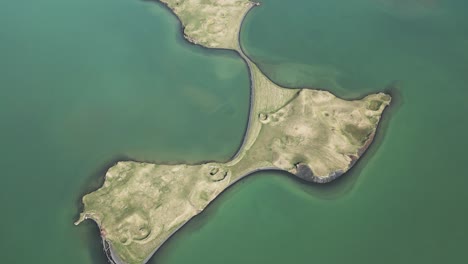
[(309, 133)]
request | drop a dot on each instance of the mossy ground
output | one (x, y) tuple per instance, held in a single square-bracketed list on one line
[(141, 204)]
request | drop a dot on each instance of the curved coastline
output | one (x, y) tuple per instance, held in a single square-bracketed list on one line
[(107, 246), (252, 83), (109, 251), (379, 134), (244, 58)]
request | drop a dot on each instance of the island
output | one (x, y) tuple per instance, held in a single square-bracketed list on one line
[(309, 133)]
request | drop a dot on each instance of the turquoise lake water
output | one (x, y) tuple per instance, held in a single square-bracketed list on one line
[(86, 83)]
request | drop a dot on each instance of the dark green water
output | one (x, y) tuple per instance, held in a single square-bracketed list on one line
[(83, 83)]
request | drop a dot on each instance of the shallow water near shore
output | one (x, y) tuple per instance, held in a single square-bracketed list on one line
[(406, 202), (85, 83)]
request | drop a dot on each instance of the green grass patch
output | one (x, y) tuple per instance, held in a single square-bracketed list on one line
[(374, 105), (357, 134)]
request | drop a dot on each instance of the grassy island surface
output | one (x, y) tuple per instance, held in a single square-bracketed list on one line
[(309, 133)]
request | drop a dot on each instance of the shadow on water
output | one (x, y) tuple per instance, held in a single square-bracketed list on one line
[(333, 190), (346, 182), (95, 180), (210, 52), (89, 232), (217, 52), (89, 235)]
